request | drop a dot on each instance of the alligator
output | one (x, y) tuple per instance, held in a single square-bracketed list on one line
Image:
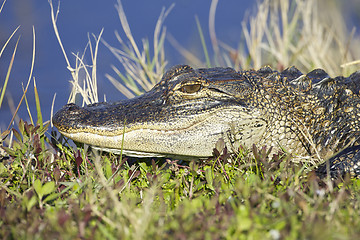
[(189, 110)]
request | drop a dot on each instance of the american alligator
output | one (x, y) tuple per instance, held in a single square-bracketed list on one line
[(189, 110)]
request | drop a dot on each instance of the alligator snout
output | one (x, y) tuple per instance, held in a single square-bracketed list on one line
[(69, 116)]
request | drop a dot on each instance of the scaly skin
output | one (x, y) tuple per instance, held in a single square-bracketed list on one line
[(190, 109)]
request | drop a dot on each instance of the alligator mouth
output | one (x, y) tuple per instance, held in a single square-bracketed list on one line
[(193, 136), (147, 140), (148, 145), (89, 132)]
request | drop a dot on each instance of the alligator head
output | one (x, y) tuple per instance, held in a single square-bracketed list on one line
[(189, 110), (186, 113)]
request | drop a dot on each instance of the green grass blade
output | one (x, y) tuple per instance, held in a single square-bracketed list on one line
[(39, 114), (8, 73), (38, 108), (203, 43), (27, 106)]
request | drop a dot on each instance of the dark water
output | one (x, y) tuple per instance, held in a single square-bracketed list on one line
[(76, 19)]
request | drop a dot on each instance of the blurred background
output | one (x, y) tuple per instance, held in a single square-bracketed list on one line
[(78, 18)]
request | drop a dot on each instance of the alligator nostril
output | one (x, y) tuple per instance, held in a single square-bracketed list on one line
[(72, 107)]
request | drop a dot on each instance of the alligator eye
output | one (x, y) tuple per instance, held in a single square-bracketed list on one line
[(191, 88)]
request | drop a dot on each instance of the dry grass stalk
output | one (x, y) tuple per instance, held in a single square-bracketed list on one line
[(142, 71), (83, 79), (285, 33)]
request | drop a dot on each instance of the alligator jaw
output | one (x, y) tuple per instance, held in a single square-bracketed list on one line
[(194, 140)]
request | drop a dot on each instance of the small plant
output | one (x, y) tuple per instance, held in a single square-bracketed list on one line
[(44, 190)]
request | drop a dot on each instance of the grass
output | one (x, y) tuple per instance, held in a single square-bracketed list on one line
[(84, 195), (50, 188)]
